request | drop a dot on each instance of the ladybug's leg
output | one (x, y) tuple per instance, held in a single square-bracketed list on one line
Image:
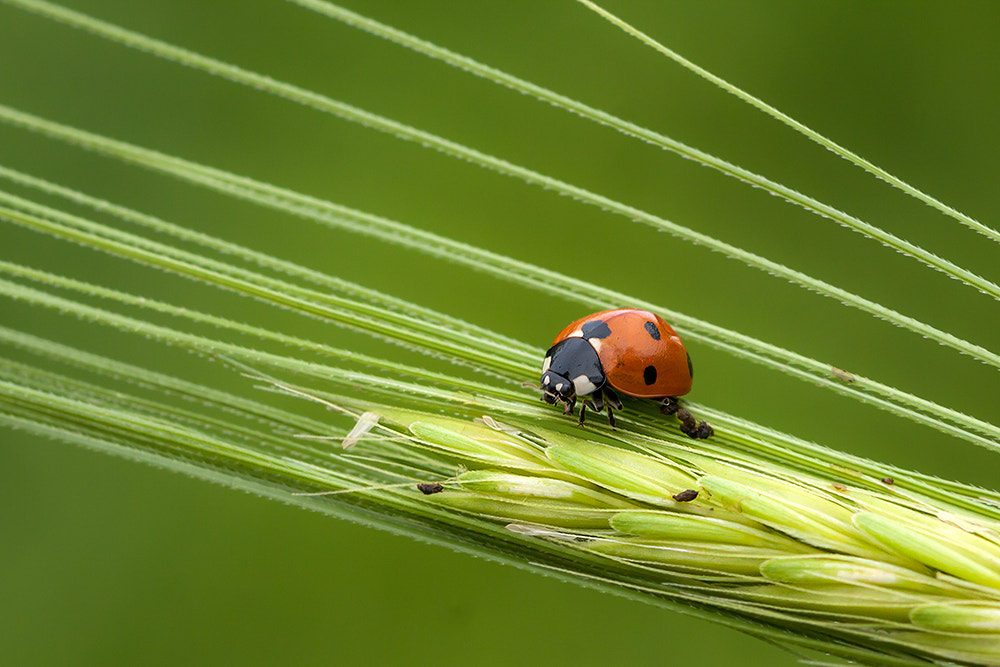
[(612, 397), (596, 403), (613, 402), (569, 407), (669, 406), (583, 412)]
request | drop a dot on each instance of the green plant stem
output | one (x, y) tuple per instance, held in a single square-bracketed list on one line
[(659, 140), (409, 133), (398, 233), (823, 141)]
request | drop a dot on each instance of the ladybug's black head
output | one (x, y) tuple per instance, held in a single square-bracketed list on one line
[(557, 388), (571, 369)]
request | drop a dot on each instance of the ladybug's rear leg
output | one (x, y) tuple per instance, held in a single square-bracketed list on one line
[(669, 406), (612, 397), (689, 425), (613, 402)]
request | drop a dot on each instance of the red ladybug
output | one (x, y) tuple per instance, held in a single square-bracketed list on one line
[(631, 350)]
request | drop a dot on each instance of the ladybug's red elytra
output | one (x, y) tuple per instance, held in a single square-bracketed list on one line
[(629, 350)]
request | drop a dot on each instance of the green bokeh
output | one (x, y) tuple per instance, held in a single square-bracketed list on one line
[(104, 561)]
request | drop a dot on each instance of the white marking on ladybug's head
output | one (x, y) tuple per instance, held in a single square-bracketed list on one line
[(560, 386), (545, 380), (583, 385), (546, 364), (576, 333), (595, 343)]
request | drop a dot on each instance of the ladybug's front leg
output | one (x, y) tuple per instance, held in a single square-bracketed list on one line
[(570, 404), (596, 401)]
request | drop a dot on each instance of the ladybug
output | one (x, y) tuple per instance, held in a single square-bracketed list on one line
[(629, 350)]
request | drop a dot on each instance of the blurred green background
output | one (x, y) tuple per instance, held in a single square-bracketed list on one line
[(104, 561)]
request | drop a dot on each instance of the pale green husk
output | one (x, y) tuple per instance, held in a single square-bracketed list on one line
[(866, 564)]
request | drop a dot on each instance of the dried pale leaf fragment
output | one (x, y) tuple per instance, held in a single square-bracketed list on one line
[(971, 617), (829, 570), (497, 426), (523, 486), (534, 530), (626, 472), (366, 422), (663, 525), (947, 548)]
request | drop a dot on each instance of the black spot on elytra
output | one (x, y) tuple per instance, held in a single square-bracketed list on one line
[(653, 331), (649, 375), (596, 329)]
